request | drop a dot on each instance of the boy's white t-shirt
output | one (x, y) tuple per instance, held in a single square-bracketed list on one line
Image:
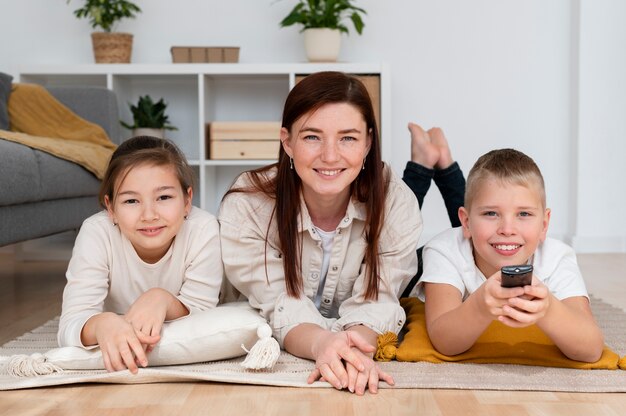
[(448, 258)]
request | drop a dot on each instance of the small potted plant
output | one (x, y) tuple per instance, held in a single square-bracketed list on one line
[(149, 118), (109, 46), (322, 24)]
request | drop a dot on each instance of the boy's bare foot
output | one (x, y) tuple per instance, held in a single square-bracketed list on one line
[(423, 152), (438, 139)]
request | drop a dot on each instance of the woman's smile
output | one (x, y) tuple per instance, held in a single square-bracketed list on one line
[(329, 172)]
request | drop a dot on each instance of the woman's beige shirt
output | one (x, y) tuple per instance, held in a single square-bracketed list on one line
[(256, 269)]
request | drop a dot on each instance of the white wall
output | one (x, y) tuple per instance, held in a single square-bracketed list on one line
[(546, 77), (600, 223)]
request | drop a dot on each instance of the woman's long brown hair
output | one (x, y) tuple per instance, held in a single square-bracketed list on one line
[(370, 187)]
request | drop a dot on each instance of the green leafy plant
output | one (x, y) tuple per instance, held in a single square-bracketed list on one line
[(325, 14), (148, 114), (105, 13)]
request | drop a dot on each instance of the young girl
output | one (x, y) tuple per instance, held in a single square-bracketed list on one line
[(149, 258), (323, 242)]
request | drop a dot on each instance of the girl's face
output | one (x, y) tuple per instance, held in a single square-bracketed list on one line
[(328, 147), (506, 223), (150, 207)]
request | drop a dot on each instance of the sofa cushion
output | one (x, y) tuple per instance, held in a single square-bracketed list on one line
[(95, 104), (38, 219), (31, 175), (5, 91)]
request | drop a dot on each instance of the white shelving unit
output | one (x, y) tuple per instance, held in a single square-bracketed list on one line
[(197, 94)]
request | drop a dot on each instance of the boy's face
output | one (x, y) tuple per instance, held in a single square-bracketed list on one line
[(506, 223)]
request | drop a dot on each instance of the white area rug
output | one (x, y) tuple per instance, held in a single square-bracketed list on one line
[(292, 371)]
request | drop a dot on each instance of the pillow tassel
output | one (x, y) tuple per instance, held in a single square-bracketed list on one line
[(265, 351), (30, 366), (387, 344)]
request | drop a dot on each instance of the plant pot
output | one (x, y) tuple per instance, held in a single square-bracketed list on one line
[(322, 44), (144, 131), (112, 48)]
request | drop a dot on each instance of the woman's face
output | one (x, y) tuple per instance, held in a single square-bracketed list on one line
[(328, 147)]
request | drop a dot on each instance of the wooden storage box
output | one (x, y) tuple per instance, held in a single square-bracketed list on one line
[(243, 140), (203, 54)]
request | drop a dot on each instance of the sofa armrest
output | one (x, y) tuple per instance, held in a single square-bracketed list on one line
[(95, 104)]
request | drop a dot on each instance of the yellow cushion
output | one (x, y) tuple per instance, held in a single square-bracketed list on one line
[(499, 344)]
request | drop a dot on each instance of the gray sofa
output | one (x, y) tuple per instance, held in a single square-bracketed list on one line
[(41, 194)]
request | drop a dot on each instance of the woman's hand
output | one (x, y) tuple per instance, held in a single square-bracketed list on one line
[(121, 345), (331, 349), (369, 377)]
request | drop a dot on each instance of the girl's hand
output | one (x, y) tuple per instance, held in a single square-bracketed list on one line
[(121, 345), (330, 352), (148, 312), (529, 308), (358, 380)]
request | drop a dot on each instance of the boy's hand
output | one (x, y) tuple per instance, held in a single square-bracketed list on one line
[(529, 308), (494, 297)]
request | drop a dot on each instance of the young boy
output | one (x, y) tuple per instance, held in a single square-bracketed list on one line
[(504, 222)]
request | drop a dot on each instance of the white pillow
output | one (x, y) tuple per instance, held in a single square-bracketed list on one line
[(215, 334)]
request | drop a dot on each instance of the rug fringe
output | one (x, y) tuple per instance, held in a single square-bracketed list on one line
[(29, 365)]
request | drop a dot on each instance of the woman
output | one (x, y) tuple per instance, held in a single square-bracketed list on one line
[(323, 241)]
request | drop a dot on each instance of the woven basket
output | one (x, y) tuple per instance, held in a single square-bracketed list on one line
[(112, 48)]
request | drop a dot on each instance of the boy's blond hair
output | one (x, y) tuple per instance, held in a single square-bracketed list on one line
[(507, 166)]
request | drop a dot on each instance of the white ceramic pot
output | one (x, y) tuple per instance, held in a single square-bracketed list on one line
[(322, 44), (149, 132)]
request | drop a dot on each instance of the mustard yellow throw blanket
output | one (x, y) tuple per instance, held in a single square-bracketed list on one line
[(499, 344), (39, 121)]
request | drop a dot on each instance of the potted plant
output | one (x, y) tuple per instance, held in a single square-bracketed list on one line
[(109, 46), (149, 118), (322, 24)]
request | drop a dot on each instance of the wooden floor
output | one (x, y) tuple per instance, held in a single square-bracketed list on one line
[(30, 294)]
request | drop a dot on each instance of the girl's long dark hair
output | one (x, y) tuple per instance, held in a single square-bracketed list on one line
[(370, 187), (140, 150)]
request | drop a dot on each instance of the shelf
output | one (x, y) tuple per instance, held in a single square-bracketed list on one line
[(197, 94), (250, 162), (207, 69)]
